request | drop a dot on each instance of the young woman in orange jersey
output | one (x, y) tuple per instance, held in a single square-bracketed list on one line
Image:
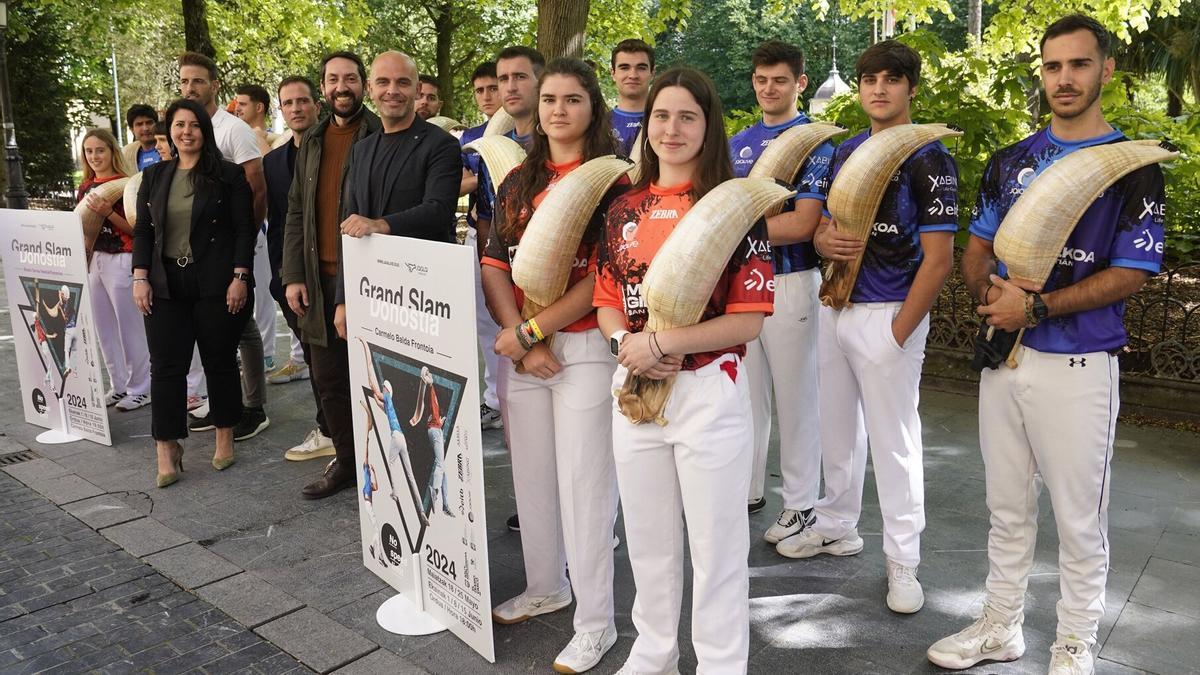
[(698, 464), (557, 415)]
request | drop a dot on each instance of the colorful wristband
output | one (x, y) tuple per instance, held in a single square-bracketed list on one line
[(537, 332)]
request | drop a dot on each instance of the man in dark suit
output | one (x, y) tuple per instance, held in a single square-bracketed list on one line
[(298, 103)]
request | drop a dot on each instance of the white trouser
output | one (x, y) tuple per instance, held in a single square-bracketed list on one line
[(784, 359), (560, 431), (296, 353), (870, 388), (119, 324), (1050, 421), (264, 304), (195, 376), (694, 469), (486, 330)]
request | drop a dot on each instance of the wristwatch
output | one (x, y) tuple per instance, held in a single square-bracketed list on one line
[(242, 276), (1040, 310), (614, 341)]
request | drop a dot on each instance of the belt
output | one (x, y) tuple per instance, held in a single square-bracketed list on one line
[(182, 262)]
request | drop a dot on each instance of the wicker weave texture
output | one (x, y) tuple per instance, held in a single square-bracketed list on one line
[(446, 123), (1034, 231), (500, 154), (501, 123), (92, 221), (130, 197), (787, 153)]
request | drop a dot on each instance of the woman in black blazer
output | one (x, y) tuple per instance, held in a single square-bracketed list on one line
[(193, 251)]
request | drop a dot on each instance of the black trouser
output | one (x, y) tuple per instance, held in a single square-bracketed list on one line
[(177, 325), (330, 371), (293, 322)]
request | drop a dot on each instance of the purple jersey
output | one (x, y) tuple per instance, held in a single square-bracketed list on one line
[(472, 162), (922, 197), (485, 195), (1123, 228), (625, 126), (811, 183)]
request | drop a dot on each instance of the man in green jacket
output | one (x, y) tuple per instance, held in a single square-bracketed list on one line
[(311, 252)]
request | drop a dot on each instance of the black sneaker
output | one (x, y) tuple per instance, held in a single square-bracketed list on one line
[(513, 523), (755, 507), (253, 421), (201, 424)]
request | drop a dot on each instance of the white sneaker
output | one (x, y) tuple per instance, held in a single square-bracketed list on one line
[(525, 607), (904, 591), (1071, 656), (789, 522), (290, 372), (489, 417), (807, 543), (585, 650), (112, 398), (990, 638), (315, 445), (133, 402), (199, 411)]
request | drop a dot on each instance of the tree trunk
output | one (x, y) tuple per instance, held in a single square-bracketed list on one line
[(975, 18), (195, 28), (561, 27), (443, 26)]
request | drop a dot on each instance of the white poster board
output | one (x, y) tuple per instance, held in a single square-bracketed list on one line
[(50, 306), (414, 383)]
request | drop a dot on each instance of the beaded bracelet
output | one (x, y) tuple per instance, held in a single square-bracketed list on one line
[(525, 343)]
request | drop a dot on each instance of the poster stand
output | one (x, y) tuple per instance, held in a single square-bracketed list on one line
[(401, 616), (56, 437)]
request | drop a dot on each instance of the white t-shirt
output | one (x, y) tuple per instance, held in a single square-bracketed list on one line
[(235, 140)]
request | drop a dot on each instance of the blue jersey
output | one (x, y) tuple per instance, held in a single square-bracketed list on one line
[(389, 407), (1122, 228), (811, 183), (625, 126), (366, 479), (922, 197), (147, 158), (486, 195), (472, 162)]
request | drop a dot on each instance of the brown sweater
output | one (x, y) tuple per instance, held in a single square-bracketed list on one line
[(334, 152)]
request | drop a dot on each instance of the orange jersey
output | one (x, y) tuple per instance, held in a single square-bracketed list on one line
[(500, 250), (435, 412), (635, 228)]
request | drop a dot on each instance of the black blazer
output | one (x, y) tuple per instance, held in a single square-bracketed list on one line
[(223, 230), (278, 173), (421, 185)]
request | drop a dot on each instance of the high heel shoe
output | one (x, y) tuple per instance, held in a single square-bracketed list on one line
[(222, 463), (165, 479)]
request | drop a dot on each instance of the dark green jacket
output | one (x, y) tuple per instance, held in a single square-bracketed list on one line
[(301, 263)]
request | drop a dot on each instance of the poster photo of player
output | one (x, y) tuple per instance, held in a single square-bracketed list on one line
[(51, 321), (413, 449)]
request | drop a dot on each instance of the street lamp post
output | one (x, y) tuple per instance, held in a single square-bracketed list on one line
[(16, 195)]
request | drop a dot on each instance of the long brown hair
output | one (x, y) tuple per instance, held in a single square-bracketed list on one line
[(533, 175), (118, 159), (714, 166)]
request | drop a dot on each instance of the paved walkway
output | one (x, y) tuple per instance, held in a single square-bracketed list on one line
[(234, 571)]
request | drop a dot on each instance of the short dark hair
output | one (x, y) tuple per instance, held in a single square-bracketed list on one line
[(892, 56), (257, 94), (517, 51), (632, 45), (198, 59), (349, 56), (429, 79), (137, 111), (1077, 22), (160, 128), (298, 79), (772, 52), (485, 69)]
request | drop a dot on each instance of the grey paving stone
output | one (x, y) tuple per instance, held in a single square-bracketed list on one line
[(1154, 640), (316, 640), (1169, 586), (380, 662), (65, 489), (103, 511), (192, 565), (248, 599), (36, 469), (144, 536), (1184, 548)]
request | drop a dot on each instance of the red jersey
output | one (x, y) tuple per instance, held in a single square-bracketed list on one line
[(501, 250), (435, 412), (636, 226), (110, 239)]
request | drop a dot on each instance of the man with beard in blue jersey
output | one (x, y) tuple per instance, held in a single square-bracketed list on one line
[(783, 358), (1050, 422)]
